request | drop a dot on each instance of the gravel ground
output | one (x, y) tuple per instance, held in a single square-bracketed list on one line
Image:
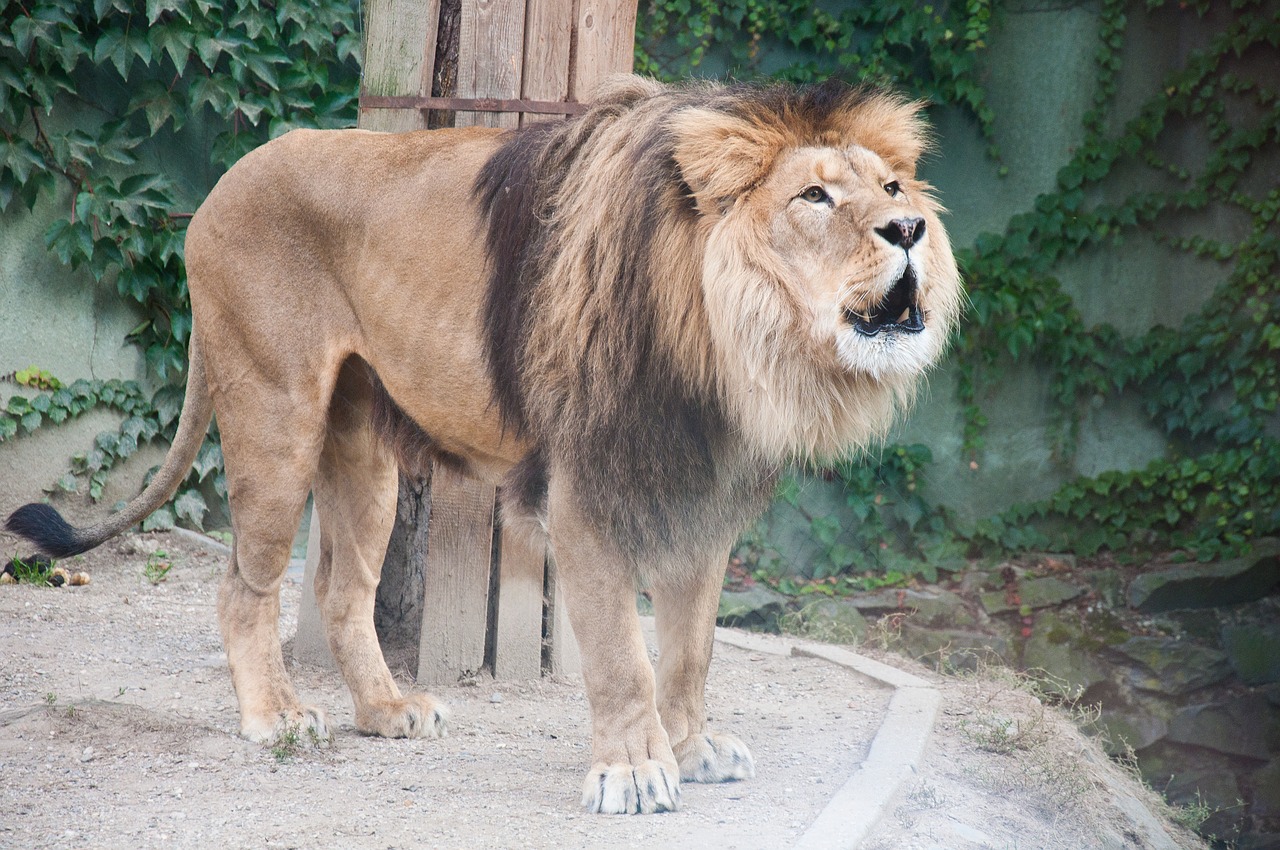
[(117, 730)]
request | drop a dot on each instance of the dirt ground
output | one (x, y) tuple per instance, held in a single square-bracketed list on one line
[(117, 730)]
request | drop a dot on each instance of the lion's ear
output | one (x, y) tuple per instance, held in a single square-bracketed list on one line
[(893, 128), (719, 155)]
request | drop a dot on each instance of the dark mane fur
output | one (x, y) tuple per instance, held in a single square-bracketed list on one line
[(646, 444)]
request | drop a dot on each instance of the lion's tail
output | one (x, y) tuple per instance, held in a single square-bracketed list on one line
[(54, 536)]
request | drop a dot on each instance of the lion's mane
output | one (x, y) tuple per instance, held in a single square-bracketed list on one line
[(643, 349)]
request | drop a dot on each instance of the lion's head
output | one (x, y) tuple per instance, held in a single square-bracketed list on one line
[(684, 274), (820, 236)]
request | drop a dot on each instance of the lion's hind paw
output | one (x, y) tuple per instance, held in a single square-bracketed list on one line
[(711, 757), (414, 716), (290, 728), (623, 789)]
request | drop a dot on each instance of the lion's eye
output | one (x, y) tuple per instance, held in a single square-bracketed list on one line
[(893, 188), (815, 195)]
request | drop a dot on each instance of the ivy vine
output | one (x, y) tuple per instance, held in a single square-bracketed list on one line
[(89, 90), (1212, 385)]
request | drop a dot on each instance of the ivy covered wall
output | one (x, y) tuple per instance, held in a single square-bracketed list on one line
[(1109, 166), (1110, 170)]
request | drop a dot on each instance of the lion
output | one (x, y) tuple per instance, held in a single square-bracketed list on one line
[(631, 321)]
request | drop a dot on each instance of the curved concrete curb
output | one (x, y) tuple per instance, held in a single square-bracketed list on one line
[(895, 753), (215, 546)]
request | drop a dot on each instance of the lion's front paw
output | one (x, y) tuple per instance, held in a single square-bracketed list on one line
[(414, 716), (624, 789), (303, 725), (711, 757)]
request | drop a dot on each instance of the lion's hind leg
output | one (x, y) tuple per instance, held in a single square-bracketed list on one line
[(685, 605), (355, 493), (268, 479)]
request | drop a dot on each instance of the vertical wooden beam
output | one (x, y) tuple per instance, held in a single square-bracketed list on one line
[(605, 35), (490, 58), (563, 652), (517, 652), (311, 645), (548, 51), (456, 608), (399, 58)]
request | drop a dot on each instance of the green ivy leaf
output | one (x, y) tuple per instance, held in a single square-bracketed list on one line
[(190, 506), (208, 460), (162, 520)]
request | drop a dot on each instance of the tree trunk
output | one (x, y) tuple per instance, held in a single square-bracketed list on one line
[(397, 611)]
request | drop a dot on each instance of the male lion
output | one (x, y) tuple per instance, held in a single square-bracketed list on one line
[(631, 321)]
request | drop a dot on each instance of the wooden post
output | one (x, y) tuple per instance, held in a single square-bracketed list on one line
[(490, 51), (399, 58), (604, 44), (540, 50), (455, 607)]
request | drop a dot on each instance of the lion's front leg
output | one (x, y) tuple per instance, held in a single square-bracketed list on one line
[(685, 605), (633, 769)]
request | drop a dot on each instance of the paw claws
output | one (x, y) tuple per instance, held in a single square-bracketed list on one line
[(415, 716), (623, 789), (714, 758)]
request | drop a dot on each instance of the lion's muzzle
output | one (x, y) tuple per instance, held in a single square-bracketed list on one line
[(898, 311)]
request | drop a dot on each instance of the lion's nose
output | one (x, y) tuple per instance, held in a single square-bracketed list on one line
[(903, 232)]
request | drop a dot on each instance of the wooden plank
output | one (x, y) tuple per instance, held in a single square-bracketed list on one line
[(564, 657), (399, 55), (456, 608), (548, 46), (605, 35), (490, 58), (517, 652), (311, 645)]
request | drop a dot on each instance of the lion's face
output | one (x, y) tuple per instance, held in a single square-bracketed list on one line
[(822, 238), (860, 248)]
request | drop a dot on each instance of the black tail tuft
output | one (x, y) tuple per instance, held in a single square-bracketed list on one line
[(46, 528)]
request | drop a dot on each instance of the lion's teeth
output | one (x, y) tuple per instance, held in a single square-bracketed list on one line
[(906, 315)]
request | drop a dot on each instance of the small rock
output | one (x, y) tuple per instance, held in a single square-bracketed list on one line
[(1237, 727), (1254, 652), (495, 698), (1058, 646), (934, 606), (1173, 666), (758, 607), (835, 620), (1033, 593), (955, 647), (1210, 585), (1266, 791), (1131, 729), (87, 755)]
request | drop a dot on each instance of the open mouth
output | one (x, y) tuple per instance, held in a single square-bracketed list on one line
[(897, 311)]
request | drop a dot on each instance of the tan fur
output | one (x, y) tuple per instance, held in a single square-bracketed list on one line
[(322, 249)]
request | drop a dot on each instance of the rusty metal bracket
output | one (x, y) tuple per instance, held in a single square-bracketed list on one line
[(471, 104)]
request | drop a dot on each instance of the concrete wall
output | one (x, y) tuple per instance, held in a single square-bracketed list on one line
[(73, 327)]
